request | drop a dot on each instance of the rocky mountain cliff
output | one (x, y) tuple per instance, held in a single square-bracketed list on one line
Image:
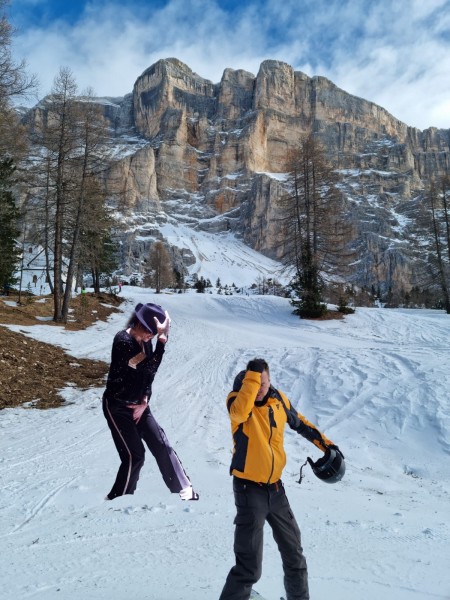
[(214, 156)]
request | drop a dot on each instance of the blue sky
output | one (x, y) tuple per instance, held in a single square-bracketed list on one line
[(395, 53)]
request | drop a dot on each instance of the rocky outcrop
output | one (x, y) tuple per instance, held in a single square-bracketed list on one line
[(208, 152), (132, 181)]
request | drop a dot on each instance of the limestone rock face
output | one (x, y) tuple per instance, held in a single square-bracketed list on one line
[(212, 155), (259, 225), (166, 90), (275, 88), (132, 180), (235, 94)]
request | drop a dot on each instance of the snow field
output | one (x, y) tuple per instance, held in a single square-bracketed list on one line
[(376, 383)]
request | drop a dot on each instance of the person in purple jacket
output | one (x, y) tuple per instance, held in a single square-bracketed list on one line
[(133, 367)]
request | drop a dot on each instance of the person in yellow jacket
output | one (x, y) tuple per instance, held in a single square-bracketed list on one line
[(258, 414)]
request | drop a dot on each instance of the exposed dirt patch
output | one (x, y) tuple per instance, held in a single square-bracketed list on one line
[(330, 315), (33, 371)]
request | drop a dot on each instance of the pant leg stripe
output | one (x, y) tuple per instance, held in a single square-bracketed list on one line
[(130, 461)]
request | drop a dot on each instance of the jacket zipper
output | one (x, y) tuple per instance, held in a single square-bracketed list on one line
[(270, 438)]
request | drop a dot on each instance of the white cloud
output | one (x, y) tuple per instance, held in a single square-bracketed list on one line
[(402, 65), (394, 52)]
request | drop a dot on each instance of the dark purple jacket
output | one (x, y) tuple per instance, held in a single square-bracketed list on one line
[(132, 369)]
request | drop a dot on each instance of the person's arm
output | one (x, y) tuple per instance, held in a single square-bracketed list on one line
[(305, 428), (153, 366), (240, 404), (312, 434), (162, 330)]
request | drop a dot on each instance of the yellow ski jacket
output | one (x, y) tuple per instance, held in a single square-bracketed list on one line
[(258, 431)]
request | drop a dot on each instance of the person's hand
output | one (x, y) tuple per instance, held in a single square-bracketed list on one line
[(162, 329), (138, 409), (336, 448)]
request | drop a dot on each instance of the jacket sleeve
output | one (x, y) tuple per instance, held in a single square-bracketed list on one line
[(240, 404), (122, 351), (155, 361), (305, 428)]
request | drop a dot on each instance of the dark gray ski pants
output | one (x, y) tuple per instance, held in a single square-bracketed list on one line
[(256, 504)]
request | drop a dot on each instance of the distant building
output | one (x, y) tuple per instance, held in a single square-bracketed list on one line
[(33, 267)]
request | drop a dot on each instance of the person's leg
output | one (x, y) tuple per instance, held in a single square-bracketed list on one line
[(287, 536), (129, 446), (252, 507), (168, 462)]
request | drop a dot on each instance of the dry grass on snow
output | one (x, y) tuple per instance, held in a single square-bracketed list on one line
[(34, 372)]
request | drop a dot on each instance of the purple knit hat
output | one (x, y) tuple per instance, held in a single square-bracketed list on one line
[(145, 314)]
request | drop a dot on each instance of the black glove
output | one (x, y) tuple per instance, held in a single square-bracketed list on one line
[(336, 448), (258, 365), (237, 384)]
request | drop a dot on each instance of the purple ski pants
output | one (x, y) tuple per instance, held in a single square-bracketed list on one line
[(128, 436)]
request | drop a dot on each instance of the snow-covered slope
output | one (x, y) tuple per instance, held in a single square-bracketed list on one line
[(376, 383), (223, 255)]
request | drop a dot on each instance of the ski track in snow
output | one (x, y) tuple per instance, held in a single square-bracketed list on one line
[(376, 383)]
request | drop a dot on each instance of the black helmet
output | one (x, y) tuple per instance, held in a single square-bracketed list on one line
[(331, 467)]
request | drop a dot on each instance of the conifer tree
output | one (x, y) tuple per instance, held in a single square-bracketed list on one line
[(73, 150), (9, 215), (14, 83), (316, 236), (97, 250), (161, 271), (439, 203)]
